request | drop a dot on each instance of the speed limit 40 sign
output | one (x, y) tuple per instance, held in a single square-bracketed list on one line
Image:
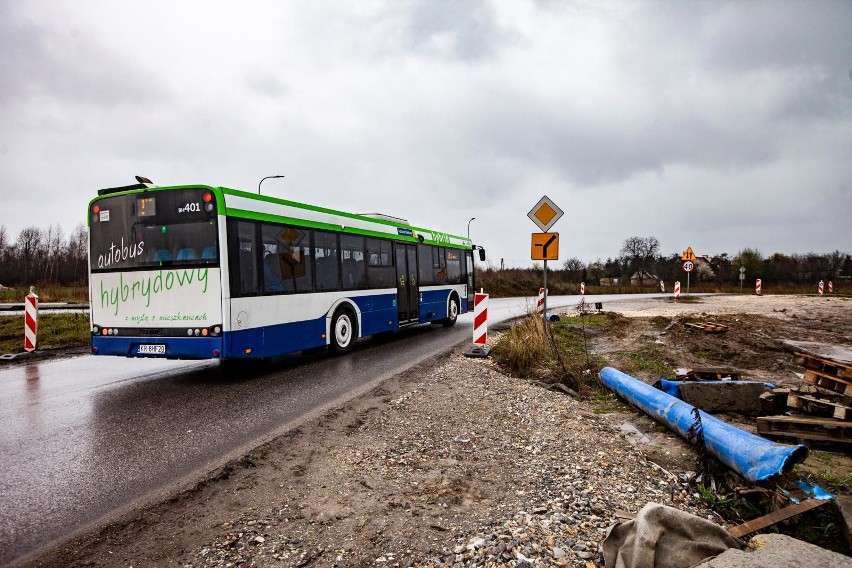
[(688, 266)]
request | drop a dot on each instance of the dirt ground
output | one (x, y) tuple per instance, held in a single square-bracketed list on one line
[(454, 463)]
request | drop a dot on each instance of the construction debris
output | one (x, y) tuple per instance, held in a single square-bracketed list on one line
[(820, 409), (776, 516), (709, 374), (707, 327)]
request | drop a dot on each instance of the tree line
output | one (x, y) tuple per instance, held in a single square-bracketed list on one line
[(49, 256), (44, 257), (640, 264), (639, 261)]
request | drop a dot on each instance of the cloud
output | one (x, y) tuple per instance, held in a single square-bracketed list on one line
[(716, 124)]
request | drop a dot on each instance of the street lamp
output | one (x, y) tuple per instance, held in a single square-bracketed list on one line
[(468, 227), (261, 181)]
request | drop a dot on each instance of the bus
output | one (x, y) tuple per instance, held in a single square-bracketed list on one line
[(201, 272)]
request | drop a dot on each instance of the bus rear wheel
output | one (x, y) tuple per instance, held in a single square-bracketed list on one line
[(452, 312), (344, 331)]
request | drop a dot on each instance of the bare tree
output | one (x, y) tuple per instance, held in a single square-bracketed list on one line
[(78, 251), (54, 245), (29, 245), (574, 267), (638, 252)]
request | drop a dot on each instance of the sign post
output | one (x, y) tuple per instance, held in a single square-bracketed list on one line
[(545, 246), (742, 277), (688, 259)]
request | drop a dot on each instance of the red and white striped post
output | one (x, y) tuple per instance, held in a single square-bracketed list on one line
[(582, 288), (31, 320), (821, 287), (830, 287), (757, 286), (677, 290), (662, 287), (480, 327), (539, 306)]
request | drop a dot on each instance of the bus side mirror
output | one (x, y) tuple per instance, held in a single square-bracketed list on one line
[(482, 254)]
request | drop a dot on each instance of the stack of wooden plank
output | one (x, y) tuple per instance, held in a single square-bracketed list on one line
[(820, 409), (707, 327)]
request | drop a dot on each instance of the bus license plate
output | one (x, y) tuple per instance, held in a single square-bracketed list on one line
[(153, 349)]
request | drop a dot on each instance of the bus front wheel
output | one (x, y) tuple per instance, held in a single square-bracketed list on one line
[(452, 312), (344, 331)]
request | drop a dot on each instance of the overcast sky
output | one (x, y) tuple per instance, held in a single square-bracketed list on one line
[(715, 125)]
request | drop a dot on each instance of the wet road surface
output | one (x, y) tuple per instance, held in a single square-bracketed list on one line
[(82, 437)]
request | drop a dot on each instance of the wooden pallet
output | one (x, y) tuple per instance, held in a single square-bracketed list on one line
[(830, 382), (708, 327), (805, 428), (803, 402), (824, 366)]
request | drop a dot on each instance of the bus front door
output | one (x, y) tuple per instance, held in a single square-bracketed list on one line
[(408, 296)]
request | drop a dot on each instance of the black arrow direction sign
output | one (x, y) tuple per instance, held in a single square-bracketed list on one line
[(545, 246)]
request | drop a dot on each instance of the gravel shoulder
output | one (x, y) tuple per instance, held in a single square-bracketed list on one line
[(454, 463)]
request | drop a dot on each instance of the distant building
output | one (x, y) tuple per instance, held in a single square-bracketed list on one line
[(609, 281), (643, 277)]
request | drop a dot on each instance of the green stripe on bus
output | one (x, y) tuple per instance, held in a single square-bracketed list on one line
[(317, 209)]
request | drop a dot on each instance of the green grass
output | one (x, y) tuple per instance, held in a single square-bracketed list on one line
[(647, 359), (54, 331), (71, 294)]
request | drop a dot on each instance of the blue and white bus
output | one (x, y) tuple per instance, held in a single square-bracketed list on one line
[(198, 272)]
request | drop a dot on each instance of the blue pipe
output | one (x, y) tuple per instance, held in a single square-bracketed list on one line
[(754, 458)]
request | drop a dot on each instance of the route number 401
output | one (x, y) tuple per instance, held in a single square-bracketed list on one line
[(190, 208)]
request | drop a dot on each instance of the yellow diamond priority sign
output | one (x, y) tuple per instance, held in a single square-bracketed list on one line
[(545, 213)]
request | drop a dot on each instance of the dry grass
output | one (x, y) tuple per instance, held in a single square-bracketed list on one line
[(553, 353)]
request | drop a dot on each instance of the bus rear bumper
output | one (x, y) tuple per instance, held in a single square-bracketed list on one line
[(159, 348)]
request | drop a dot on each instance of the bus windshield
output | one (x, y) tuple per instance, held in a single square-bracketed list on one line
[(154, 229)]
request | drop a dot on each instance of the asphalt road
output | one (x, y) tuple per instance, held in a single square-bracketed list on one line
[(84, 437)]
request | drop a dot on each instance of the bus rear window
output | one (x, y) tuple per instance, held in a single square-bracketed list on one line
[(167, 228)]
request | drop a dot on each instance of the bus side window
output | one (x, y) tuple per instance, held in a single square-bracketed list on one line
[(272, 281), (352, 262), (440, 266), (325, 254), (454, 266), (380, 272), (424, 253), (243, 253)]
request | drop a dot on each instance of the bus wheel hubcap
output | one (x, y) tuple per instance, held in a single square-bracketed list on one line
[(342, 331)]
